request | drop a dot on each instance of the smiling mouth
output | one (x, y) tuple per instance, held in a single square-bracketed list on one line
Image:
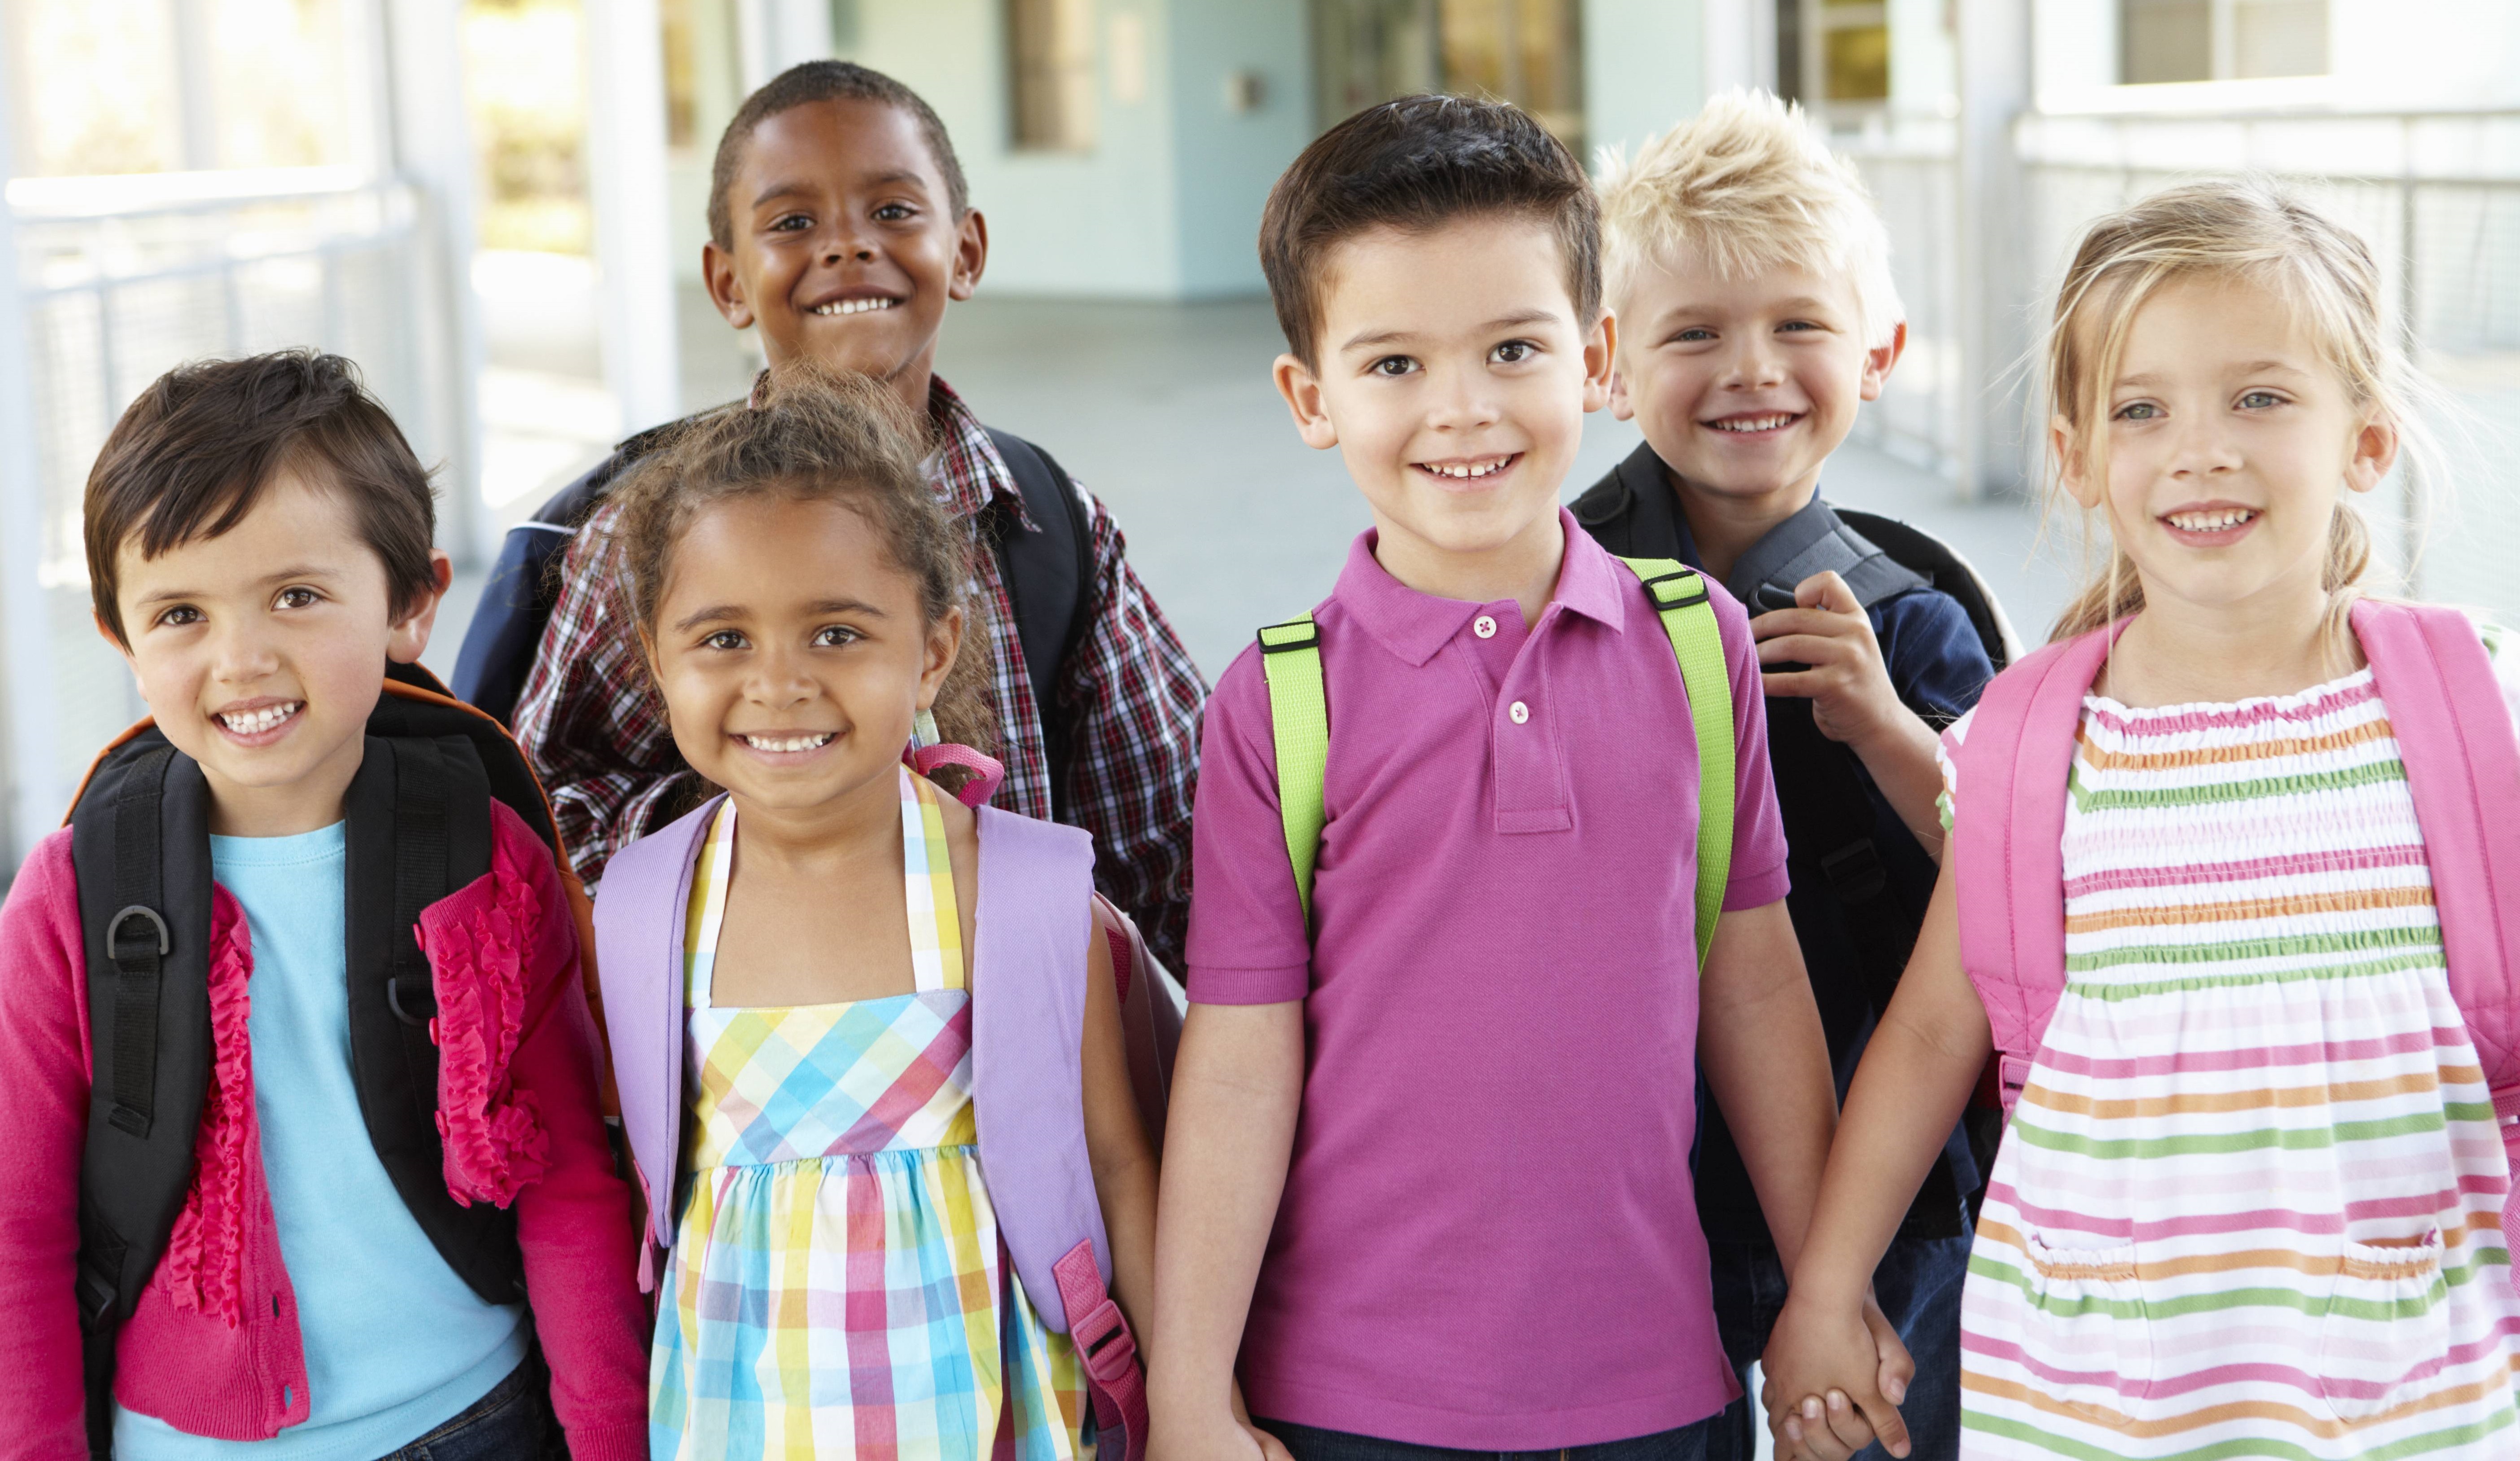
[(856, 307), (1465, 471), (256, 723), (2215, 521), (789, 744), (1749, 425)]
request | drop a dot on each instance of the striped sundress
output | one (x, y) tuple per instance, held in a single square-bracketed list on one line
[(837, 1287), (2250, 1201)]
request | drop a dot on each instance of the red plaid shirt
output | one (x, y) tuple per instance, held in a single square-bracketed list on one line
[(594, 726)]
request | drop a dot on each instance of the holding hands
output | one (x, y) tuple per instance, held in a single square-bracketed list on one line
[(1850, 1373)]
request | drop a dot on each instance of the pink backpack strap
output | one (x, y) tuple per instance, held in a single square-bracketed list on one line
[(639, 912), (1028, 971), (2008, 835), (2463, 760)]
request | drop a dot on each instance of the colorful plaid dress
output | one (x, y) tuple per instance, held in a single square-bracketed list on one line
[(837, 1287)]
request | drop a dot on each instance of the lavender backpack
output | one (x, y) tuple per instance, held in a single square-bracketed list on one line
[(1036, 909), (2462, 764)]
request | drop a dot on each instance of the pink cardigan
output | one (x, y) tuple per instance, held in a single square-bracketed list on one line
[(214, 1345)]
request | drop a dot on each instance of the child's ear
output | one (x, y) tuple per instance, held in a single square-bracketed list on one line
[(971, 255), (105, 631), (725, 286), (1881, 360), (2066, 449), (2375, 451), (944, 641), (410, 633), (1303, 391), (1600, 360)]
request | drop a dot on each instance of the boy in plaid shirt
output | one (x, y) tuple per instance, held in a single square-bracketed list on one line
[(840, 225)]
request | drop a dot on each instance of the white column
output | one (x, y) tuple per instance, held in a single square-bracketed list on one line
[(430, 147), (1997, 277), (625, 124), (35, 795), (772, 35), (1741, 44)]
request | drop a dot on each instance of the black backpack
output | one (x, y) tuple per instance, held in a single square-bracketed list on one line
[(1049, 575), (418, 829)]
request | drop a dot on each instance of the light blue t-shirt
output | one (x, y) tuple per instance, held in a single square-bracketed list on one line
[(396, 1344)]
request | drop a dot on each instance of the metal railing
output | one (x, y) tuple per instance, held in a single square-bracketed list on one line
[(2436, 194), (125, 278)]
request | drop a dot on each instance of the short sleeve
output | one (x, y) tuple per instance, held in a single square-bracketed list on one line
[(1934, 657), (1946, 755), (1248, 940), (1758, 874)]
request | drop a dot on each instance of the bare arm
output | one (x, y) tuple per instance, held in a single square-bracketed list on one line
[(1915, 1079), (1766, 1059), (1115, 1142), (1231, 1131)]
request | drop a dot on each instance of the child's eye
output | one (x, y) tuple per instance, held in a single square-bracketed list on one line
[(180, 615), (2259, 401), (1797, 326), (792, 222), (1512, 353), (297, 598), (896, 213), (724, 639), (1694, 335), (2137, 411), (1393, 366), (835, 636)]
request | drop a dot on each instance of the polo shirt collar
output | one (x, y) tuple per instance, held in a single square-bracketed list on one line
[(1414, 626)]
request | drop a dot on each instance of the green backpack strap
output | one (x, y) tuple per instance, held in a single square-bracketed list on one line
[(1290, 659), (1679, 594)]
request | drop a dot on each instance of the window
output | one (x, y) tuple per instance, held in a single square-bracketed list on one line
[(1051, 67), (2219, 40), (1833, 49), (1527, 52)]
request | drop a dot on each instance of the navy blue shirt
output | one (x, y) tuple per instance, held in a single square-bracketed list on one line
[(1939, 666)]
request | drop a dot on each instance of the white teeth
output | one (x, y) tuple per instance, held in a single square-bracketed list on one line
[(2213, 522), (1481, 469), (1753, 422), (255, 722), (854, 306), (786, 742)]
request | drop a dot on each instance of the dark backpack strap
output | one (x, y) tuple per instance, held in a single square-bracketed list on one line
[(1050, 577), (418, 814), (139, 843)]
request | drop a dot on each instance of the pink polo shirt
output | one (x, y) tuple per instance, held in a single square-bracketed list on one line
[(1488, 1239)]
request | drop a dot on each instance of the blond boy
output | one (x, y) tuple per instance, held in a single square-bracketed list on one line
[(1751, 281)]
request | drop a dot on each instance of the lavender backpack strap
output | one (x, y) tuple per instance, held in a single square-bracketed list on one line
[(2462, 764), (2008, 835), (639, 913), (1028, 969)]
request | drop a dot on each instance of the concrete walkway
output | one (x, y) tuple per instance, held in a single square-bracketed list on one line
[(1166, 412)]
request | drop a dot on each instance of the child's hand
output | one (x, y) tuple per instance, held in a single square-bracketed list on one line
[(1829, 1377), (1846, 681), (1222, 1437)]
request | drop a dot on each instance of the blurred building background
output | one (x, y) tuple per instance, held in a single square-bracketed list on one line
[(496, 208)]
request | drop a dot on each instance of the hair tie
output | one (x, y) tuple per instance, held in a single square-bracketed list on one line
[(987, 772)]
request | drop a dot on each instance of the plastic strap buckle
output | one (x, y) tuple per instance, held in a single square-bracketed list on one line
[(1282, 639), (1687, 586), (1854, 872)]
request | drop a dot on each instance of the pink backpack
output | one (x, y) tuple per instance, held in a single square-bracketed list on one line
[(2462, 764), (1028, 972)]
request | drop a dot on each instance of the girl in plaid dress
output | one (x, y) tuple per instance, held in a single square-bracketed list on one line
[(837, 1284)]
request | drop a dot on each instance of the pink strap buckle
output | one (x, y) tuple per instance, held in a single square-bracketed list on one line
[(1101, 1335), (987, 772), (2015, 1074)]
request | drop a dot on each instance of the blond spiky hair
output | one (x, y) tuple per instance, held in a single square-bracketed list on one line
[(1746, 185)]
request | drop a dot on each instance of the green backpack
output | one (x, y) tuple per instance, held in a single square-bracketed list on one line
[(1291, 657)]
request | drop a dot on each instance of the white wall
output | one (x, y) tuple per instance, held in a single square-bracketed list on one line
[(1646, 64), (1227, 158)]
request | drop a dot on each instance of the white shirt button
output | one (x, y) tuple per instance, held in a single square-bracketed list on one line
[(1517, 712), (1484, 626)]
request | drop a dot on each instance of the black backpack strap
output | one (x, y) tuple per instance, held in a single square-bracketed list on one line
[(418, 814), (1811, 541), (1050, 577), (140, 844)]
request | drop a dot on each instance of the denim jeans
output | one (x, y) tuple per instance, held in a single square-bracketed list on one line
[(1307, 1443), (511, 1422), (1919, 1284)]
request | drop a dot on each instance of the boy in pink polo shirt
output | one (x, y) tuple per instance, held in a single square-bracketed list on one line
[(1428, 1186)]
